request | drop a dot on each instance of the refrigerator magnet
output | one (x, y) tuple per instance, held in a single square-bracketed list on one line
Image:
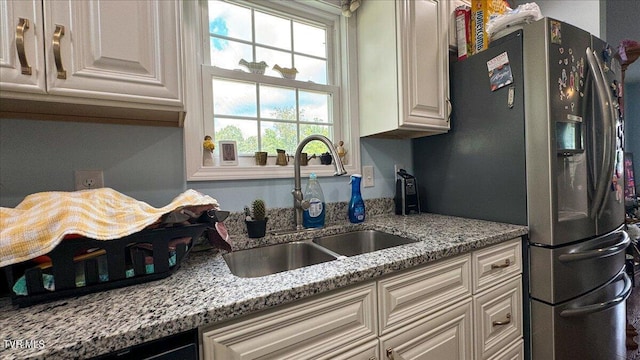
[(499, 71)]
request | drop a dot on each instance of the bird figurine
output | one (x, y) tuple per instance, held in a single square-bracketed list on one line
[(287, 73), (254, 67)]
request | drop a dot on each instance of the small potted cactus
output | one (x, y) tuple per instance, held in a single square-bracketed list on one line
[(256, 219)]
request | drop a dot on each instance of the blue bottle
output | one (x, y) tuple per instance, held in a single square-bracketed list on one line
[(356, 204), (314, 216)]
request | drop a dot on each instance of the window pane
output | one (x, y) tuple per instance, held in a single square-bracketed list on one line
[(310, 69), (314, 107), (309, 40), (244, 132), (276, 135), (226, 54), (273, 31), (234, 98), (277, 103), (316, 147), (229, 20), (272, 57)]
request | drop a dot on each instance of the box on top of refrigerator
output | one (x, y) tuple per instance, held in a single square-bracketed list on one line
[(481, 12), (463, 31)]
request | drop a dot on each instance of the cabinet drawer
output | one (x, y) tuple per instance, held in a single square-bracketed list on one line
[(496, 264), (310, 329), (513, 352), (498, 314), (445, 335), (403, 298)]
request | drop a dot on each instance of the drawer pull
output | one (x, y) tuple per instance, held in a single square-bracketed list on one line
[(508, 321), (390, 353), (23, 25), (373, 358), (57, 36), (506, 263)]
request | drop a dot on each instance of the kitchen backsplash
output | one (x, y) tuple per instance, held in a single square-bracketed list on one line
[(282, 219)]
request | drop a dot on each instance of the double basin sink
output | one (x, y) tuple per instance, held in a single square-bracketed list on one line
[(273, 259)]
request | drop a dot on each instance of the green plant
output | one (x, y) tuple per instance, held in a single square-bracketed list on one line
[(258, 209)]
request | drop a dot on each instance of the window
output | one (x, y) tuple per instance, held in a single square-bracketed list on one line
[(270, 74)]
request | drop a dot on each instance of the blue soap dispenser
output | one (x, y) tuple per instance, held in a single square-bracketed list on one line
[(356, 204)]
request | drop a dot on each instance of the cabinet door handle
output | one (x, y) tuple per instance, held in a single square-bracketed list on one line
[(23, 25), (449, 109), (505, 322), (506, 263), (57, 35), (389, 353)]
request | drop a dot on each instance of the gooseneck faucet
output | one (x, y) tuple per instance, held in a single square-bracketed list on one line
[(299, 203)]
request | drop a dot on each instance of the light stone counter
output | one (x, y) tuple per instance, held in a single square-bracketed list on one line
[(203, 291)]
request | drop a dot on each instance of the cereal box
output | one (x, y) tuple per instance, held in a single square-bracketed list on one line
[(463, 31), (481, 12)]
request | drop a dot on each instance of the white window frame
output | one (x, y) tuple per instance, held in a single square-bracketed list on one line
[(345, 111)]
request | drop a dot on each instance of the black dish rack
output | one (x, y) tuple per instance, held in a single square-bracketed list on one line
[(127, 261)]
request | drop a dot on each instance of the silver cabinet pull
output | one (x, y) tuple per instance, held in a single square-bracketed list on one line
[(57, 35), (23, 25), (506, 263), (505, 322), (389, 352)]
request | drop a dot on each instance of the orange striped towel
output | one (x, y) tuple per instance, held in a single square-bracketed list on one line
[(41, 220)]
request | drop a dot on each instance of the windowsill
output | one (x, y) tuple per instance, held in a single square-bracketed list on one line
[(256, 172)]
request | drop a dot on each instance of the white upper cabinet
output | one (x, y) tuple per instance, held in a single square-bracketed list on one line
[(403, 68), (103, 53)]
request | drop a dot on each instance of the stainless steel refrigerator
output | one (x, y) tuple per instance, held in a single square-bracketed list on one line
[(536, 139)]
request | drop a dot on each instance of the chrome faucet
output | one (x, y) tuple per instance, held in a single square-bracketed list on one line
[(299, 203)]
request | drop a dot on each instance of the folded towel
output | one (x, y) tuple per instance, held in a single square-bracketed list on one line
[(512, 20), (38, 224)]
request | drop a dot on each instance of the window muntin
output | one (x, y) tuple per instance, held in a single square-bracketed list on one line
[(269, 113)]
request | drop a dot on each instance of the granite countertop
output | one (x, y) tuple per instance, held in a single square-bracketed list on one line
[(203, 291)]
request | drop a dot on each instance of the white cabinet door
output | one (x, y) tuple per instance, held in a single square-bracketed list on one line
[(403, 69), (114, 50), (425, 79), (445, 335), (99, 60), (320, 328), (21, 46)]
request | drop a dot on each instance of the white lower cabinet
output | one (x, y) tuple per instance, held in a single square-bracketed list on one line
[(445, 335), (465, 307), (320, 328)]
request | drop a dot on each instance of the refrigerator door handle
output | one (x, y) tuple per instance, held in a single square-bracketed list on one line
[(621, 245), (593, 308), (601, 90)]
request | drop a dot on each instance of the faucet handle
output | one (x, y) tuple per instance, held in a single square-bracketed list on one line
[(305, 204)]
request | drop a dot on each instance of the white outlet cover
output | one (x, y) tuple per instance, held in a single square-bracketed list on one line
[(367, 175), (82, 177)]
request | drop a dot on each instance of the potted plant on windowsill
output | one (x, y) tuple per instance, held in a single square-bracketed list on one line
[(256, 219)]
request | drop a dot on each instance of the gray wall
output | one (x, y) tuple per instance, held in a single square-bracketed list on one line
[(632, 125), (147, 163)]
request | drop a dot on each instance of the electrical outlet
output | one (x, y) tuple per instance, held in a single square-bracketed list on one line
[(397, 168), (367, 175), (89, 179)]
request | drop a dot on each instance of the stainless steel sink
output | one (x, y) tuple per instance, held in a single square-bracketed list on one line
[(360, 242), (273, 259)]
